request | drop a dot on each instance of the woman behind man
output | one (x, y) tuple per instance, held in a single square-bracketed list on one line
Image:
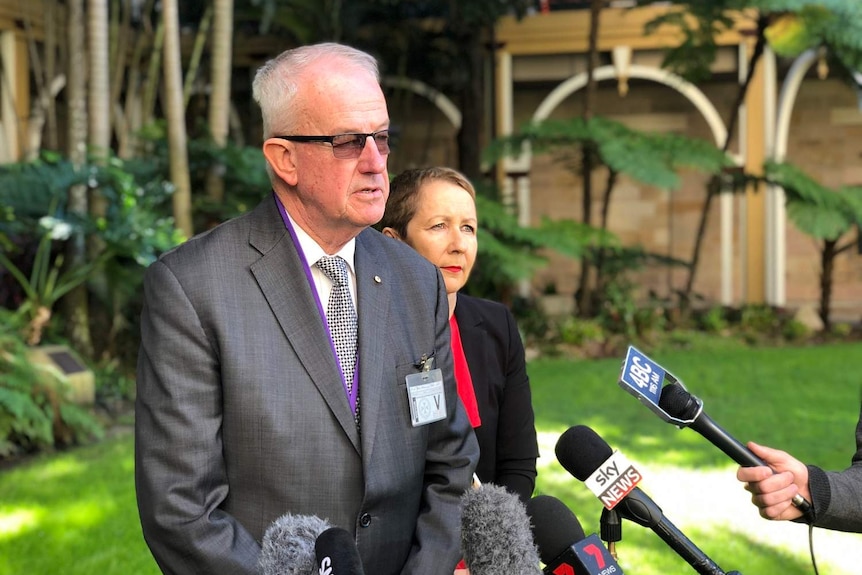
[(433, 210)]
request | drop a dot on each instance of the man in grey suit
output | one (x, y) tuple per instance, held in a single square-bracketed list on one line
[(245, 410)]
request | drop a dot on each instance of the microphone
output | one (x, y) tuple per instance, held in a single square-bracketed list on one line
[(563, 547), (495, 533), (588, 457), (679, 403), (288, 545), (336, 553), (673, 403)]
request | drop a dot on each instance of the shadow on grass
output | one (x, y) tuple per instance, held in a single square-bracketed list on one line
[(73, 513)]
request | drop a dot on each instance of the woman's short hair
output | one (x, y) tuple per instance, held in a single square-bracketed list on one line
[(404, 194)]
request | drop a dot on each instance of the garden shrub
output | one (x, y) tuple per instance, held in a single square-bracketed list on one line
[(34, 412), (576, 331), (713, 320)]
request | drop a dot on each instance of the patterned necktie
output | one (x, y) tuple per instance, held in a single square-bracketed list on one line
[(341, 318)]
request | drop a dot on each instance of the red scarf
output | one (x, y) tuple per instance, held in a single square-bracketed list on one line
[(462, 376)]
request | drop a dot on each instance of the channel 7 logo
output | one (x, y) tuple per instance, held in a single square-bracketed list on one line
[(587, 557)]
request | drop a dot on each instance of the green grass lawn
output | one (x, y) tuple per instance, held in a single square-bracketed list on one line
[(75, 513), (803, 400)]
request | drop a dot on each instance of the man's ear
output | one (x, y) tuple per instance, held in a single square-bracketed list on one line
[(281, 156), (391, 233)]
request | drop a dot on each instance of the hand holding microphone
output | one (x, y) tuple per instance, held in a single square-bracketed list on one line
[(673, 403), (776, 488)]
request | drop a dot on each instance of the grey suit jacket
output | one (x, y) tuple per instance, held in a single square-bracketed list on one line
[(241, 414), (837, 495)]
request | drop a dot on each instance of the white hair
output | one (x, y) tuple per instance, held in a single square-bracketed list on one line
[(276, 82)]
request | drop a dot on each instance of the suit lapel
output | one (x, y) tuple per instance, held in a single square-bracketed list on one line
[(473, 338), (281, 277), (373, 277)]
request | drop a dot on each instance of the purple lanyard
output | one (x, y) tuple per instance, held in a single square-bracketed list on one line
[(354, 391)]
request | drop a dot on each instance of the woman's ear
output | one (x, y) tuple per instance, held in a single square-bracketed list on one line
[(391, 233)]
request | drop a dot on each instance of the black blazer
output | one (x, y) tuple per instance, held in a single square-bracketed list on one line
[(495, 354)]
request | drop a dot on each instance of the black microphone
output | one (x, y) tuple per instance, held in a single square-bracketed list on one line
[(495, 533), (288, 544), (666, 396), (583, 453), (688, 409), (563, 547), (336, 553)]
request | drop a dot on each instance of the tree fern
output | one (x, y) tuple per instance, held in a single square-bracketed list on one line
[(827, 215), (817, 210), (651, 158), (790, 26)]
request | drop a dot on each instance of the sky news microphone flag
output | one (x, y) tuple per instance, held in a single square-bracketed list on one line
[(587, 456)]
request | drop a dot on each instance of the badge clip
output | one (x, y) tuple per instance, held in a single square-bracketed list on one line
[(425, 363)]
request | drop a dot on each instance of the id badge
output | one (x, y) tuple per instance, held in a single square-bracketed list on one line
[(426, 397)]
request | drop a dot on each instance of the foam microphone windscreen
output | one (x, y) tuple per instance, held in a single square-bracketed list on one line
[(288, 545), (677, 402), (581, 451), (495, 533)]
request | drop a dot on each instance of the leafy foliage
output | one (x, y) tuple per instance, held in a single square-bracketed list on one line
[(790, 27), (824, 214), (34, 411), (135, 226), (48, 282), (509, 252), (37, 226), (651, 158), (815, 209)]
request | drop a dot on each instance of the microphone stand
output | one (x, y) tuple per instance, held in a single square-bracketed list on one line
[(639, 508), (611, 528)]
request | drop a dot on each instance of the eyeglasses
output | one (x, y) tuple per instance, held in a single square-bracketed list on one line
[(347, 146)]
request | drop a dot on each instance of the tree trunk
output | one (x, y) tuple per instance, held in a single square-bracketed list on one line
[(128, 115), (99, 94), (47, 84), (75, 302), (151, 87), (197, 53), (51, 32), (220, 78), (827, 265), (584, 297), (601, 251), (176, 123), (472, 111)]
